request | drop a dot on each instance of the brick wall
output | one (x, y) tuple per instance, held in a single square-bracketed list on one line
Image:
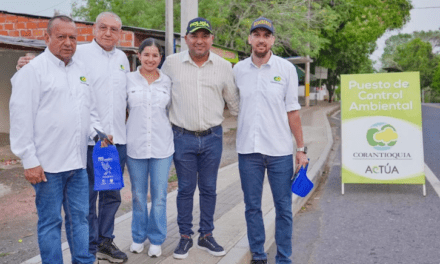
[(34, 28)]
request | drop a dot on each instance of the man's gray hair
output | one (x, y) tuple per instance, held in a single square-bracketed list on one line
[(108, 13), (53, 19)]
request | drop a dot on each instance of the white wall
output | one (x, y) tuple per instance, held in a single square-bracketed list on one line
[(8, 61)]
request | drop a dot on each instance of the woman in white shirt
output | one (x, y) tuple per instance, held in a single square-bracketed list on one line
[(150, 147)]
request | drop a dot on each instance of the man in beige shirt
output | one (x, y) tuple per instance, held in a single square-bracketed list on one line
[(201, 83)]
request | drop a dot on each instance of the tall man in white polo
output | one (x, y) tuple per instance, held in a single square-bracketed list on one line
[(201, 83), (108, 66), (52, 117), (268, 116)]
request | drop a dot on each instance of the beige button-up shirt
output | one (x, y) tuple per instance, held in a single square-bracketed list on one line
[(198, 94)]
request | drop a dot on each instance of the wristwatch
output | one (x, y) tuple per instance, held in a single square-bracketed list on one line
[(303, 149)]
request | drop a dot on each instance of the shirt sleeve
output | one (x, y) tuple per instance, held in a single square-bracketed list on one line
[(291, 96), (23, 107), (230, 92)]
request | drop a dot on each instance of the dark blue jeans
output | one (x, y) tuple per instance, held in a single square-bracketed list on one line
[(279, 172), (197, 159), (68, 189), (101, 226)]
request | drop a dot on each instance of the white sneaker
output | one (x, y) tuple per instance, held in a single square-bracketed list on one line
[(136, 248), (154, 251)]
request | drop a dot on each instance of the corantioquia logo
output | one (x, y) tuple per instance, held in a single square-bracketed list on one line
[(277, 78), (83, 79), (382, 169), (122, 67), (382, 136)]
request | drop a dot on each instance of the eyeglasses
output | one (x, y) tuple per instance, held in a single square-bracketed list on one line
[(104, 28)]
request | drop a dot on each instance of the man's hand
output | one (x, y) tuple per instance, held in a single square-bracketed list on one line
[(105, 142), (24, 60), (301, 160), (35, 175)]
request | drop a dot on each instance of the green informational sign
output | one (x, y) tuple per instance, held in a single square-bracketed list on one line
[(382, 140)]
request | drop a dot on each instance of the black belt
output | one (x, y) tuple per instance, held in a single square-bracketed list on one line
[(196, 133)]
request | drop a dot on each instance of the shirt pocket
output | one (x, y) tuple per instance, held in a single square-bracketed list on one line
[(135, 97), (275, 91), (161, 96)]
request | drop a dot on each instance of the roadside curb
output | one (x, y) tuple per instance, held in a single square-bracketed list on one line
[(240, 252)]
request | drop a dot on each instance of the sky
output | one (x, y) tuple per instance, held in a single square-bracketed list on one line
[(422, 17)]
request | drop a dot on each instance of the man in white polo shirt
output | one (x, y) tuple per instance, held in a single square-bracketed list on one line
[(52, 118), (108, 66), (268, 116)]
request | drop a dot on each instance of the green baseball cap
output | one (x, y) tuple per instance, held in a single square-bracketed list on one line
[(198, 23)]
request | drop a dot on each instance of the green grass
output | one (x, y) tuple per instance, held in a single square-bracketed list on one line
[(4, 254)]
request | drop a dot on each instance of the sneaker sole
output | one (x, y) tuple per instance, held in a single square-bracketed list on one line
[(214, 253), (136, 251), (101, 256), (156, 255), (180, 256)]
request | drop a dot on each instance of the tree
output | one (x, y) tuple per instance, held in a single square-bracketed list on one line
[(417, 55), (436, 79), (360, 24), (392, 42), (136, 13), (231, 20)]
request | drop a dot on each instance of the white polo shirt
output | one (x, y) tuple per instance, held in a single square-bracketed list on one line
[(52, 113), (108, 69), (149, 133), (266, 95)]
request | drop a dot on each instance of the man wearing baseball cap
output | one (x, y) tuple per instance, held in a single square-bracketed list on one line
[(268, 116), (201, 83)]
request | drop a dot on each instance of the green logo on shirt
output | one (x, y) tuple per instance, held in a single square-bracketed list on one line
[(277, 78), (122, 67), (82, 79)]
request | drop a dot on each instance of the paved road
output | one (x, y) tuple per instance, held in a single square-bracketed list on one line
[(431, 137), (372, 223)]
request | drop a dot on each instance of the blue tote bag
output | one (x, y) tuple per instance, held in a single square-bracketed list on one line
[(108, 173)]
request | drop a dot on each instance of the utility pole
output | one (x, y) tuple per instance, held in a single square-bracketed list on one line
[(307, 91), (169, 28), (189, 9)]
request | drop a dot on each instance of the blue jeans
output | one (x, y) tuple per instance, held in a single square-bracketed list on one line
[(197, 159), (153, 227), (101, 226), (68, 189), (279, 172)]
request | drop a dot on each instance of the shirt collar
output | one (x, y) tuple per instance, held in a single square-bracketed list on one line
[(142, 77), (57, 61), (187, 58), (103, 51), (269, 62)]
